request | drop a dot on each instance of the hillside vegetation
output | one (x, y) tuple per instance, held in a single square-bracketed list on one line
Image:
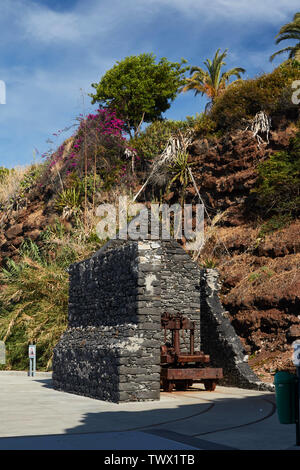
[(251, 191)]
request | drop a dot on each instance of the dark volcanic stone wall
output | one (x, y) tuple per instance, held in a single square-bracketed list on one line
[(180, 287), (111, 349), (93, 281), (219, 339)]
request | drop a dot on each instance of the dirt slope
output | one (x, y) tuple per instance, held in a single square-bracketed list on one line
[(261, 280), (261, 276)]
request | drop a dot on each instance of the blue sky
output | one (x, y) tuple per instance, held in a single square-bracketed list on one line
[(52, 50)]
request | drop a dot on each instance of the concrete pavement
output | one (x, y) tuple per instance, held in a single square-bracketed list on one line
[(35, 416)]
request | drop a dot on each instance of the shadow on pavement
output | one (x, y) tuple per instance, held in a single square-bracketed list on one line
[(203, 420), (193, 423)]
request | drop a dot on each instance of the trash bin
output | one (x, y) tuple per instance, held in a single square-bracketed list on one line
[(286, 391)]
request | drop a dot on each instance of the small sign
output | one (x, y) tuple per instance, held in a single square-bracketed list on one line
[(2, 352), (32, 351), (296, 354)]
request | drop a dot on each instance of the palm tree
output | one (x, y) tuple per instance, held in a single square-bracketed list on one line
[(211, 82), (287, 32)]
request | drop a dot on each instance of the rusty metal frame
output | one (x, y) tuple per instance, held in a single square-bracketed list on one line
[(182, 369)]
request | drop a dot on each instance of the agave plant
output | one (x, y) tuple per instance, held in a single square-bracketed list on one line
[(287, 32), (69, 202), (179, 170)]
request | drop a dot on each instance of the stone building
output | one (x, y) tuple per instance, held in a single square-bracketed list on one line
[(111, 348)]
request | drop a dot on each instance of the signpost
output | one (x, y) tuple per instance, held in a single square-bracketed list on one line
[(32, 359), (296, 362)]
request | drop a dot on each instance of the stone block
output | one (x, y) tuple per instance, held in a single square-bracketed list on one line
[(115, 303)]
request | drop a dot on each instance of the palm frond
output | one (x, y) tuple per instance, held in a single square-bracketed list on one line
[(211, 83), (289, 31), (282, 51), (235, 72), (294, 35)]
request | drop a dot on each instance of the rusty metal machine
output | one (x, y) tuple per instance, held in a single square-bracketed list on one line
[(181, 369)]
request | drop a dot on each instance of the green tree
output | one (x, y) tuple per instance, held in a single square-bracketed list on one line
[(211, 82), (140, 90), (287, 32)]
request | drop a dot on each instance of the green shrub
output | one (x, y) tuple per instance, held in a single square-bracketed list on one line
[(254, 277), (91, 182), (33, 305), (153, 140), (276, 222), (3, 173), (69, 200), (34, 291), (209, 263), (93, 238), (29, 249), (242, 100), (263, 274), (203, 125), (34, 296), (30, 179), (278, 184)]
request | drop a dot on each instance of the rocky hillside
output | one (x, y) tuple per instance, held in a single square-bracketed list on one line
[(259, 272), (259, 267), (250, 187)]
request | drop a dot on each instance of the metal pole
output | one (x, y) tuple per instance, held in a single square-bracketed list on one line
[(176, 337), (192, 340)]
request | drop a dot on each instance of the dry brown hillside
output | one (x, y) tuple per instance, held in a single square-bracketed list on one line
[(260, 272)]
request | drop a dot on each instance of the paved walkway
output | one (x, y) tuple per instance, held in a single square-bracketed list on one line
[(35, 416)]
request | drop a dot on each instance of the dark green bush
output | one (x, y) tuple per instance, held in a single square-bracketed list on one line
[(153, 140), (276, 222), (278, 184), (30, 179), (203, 125), (270, 93)]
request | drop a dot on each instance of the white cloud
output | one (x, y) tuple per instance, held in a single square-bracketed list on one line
[(234, 10), (54, 54), (91, 19), (47, 25)]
